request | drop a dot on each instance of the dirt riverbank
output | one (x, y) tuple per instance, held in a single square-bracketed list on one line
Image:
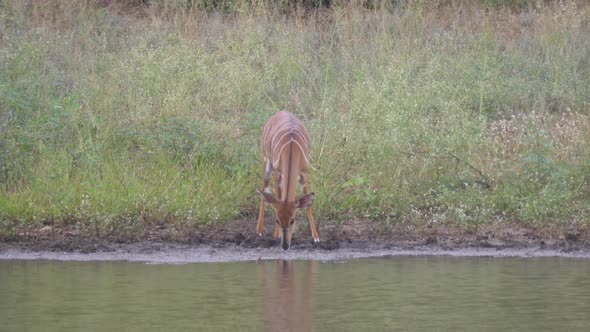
[(237, 241)]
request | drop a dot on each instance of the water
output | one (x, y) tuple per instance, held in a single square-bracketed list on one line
[(402, 294)]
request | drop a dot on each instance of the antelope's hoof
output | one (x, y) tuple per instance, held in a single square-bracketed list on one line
[(316, 240)]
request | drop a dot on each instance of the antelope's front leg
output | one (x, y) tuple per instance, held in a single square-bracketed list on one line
[(304, 179), (277, 231), (266, 171)]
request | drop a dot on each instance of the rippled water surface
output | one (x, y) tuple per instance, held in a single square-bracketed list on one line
[(401, 294)]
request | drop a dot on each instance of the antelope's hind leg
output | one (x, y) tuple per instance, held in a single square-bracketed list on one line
[(278, 179)]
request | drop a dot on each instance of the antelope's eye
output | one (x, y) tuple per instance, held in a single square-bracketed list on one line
[(277, 220), (292, 221)]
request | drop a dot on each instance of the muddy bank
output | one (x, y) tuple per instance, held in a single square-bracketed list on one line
[(237, 241), (178, 254)]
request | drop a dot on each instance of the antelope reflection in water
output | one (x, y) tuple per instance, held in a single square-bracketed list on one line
[(287, 294)]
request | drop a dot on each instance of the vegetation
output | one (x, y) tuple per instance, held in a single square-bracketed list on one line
[(459, 112)]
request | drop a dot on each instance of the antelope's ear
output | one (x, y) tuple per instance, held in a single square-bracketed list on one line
[(305, 201), (268, 197)]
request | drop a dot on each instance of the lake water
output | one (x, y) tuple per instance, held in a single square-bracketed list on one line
[(401, 294)]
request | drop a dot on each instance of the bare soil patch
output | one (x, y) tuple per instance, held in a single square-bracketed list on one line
[(240, 235)]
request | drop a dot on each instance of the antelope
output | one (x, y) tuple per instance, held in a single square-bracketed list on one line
[(285, 143)]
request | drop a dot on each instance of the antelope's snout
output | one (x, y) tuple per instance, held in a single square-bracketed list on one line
[(286, 235), (285, 244)]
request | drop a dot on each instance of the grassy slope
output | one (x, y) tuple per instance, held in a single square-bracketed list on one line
[(456, 114)]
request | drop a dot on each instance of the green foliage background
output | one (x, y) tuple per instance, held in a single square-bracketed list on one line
[(463, 112)]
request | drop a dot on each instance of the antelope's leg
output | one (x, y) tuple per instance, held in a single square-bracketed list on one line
[(304, 179), (260, 225), (278, 195), (266, 171)]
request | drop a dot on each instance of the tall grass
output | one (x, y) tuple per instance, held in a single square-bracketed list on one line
[(459, 112)]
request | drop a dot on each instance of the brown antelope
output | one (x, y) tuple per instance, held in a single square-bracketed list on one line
[(285, 143)]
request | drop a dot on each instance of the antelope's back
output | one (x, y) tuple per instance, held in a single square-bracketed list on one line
[(277, 134)]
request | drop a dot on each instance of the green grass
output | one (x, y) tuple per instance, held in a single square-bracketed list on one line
[(463, 112)]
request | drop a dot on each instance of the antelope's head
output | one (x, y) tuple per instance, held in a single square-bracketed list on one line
[(285, 214)]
